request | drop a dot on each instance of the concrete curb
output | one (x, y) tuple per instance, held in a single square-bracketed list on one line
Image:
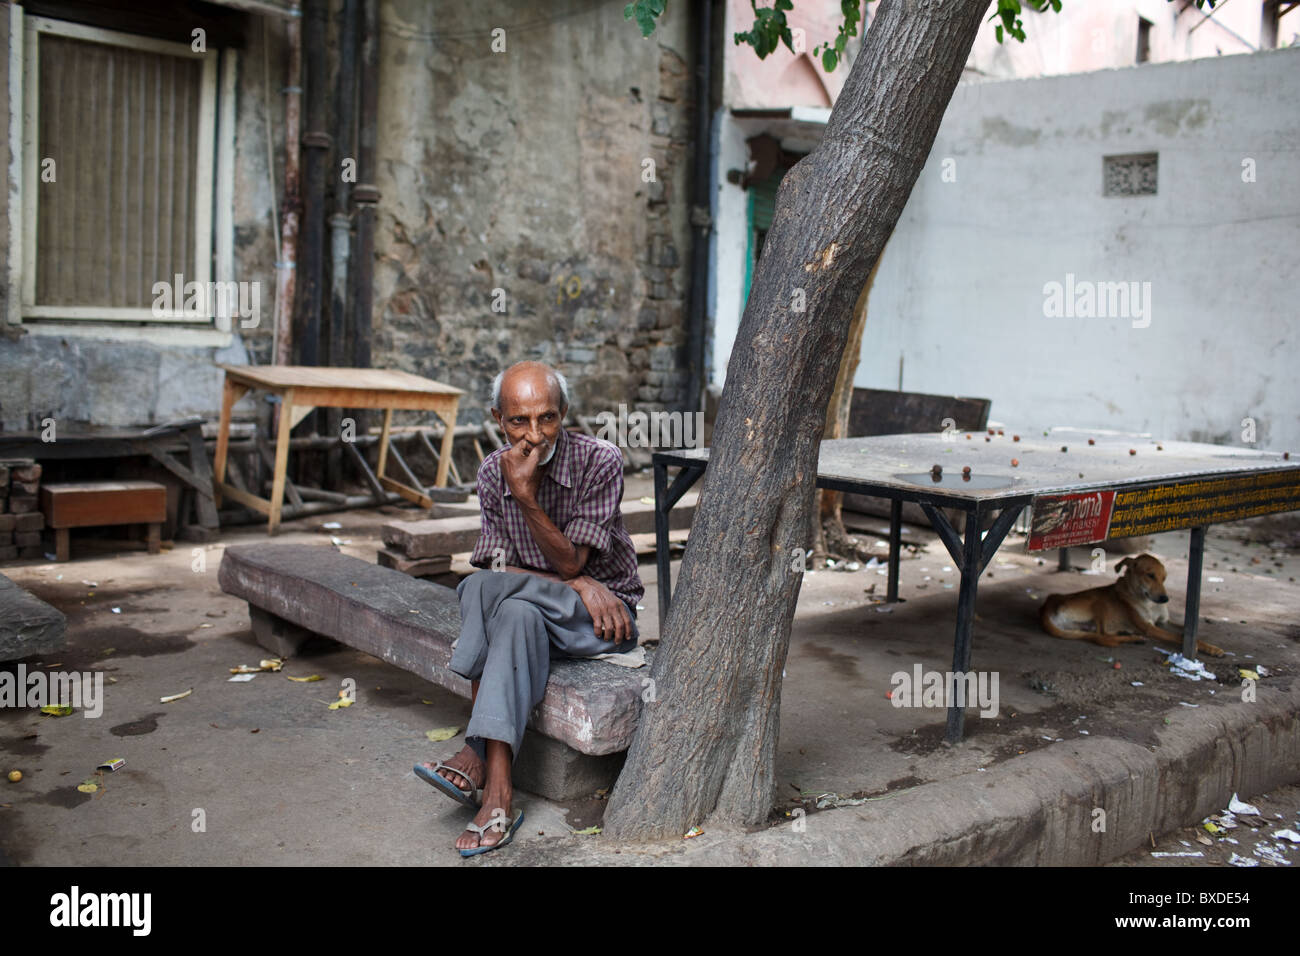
[(1038, 810)]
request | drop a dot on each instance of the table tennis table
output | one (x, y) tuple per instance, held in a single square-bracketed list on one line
[(1081, 490)]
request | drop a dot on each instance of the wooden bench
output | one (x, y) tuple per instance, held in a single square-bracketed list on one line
[(28, 625), (88, 504), (579, 732)]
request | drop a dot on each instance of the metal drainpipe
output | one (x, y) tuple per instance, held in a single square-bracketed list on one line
[(341, 223), (365, 194), (316, 143), (701, 223), (289, 210)]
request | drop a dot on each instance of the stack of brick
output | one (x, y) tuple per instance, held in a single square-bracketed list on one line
[(21, 523)]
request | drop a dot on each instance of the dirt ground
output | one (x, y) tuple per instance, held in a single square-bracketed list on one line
[(1252, 842), (276, 777)]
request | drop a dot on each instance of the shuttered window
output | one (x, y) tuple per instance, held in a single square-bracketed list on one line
[(118, 171), (762, 208)]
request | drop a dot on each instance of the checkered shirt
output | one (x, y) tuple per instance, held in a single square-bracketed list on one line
[(581, 491)]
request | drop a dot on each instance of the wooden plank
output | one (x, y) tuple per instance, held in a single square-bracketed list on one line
[(438, 458), (384, 436), (231, 392), (411, 477), (175, 467), (878, 411), (410, 494), (349, 379), (265, 451), (281, 462), (205, 504), (236, 477), (375, 487), (260, 505)]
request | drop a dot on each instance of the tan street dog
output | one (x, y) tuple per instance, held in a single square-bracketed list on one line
[(1134, 606)]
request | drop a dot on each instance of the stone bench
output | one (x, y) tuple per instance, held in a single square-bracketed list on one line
[(28, 626), (578, 734)]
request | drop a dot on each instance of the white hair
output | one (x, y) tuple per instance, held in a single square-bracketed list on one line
[(557, 380)]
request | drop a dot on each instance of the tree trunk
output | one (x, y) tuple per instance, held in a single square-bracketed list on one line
[(832, 539), (706, 742)]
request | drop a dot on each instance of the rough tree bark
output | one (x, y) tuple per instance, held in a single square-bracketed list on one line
[(705, 746), (831, 538)]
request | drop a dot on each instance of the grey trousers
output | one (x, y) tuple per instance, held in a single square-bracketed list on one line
[(512, 625)]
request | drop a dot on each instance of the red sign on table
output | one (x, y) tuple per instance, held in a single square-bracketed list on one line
[(1060, 521)]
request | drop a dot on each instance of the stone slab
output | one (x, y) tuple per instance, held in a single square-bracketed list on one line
[(28, 625), (592, 706)]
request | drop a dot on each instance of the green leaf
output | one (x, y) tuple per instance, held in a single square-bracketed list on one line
[(645, 12), (997, 32), (829, 59)]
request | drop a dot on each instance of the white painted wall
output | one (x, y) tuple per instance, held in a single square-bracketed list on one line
[(960, 291), (1100, 34)]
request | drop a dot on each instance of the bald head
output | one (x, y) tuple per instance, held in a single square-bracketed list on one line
[(529, 383)]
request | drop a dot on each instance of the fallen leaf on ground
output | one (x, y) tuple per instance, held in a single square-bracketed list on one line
[(274, 664), (57, 710), (590, 831), (341, 702), (172, 697), (88, 786), (442, 733), (304, 680)]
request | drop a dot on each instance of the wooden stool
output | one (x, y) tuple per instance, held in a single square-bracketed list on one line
[(88, 504)]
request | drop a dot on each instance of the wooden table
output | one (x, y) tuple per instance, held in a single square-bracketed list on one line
[(304, 388)]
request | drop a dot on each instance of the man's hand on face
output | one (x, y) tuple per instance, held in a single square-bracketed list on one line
[(609, 615), (522, 469)]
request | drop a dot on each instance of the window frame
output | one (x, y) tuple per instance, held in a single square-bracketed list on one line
[(213, 190)]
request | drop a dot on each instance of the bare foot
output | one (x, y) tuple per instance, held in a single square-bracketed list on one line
[(468, 761), (496, 810)]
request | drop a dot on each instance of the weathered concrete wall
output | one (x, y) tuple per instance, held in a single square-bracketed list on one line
[(116, 374), (522, 171), (960, 292)]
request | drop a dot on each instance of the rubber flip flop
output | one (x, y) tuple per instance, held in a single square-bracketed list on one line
[(480, 830), (469, 798)]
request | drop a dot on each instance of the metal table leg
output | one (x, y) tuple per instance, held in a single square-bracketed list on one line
[(662, 561), (971, 566), (1192, 610), (665, 497), (895, 546), (970, 556)]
